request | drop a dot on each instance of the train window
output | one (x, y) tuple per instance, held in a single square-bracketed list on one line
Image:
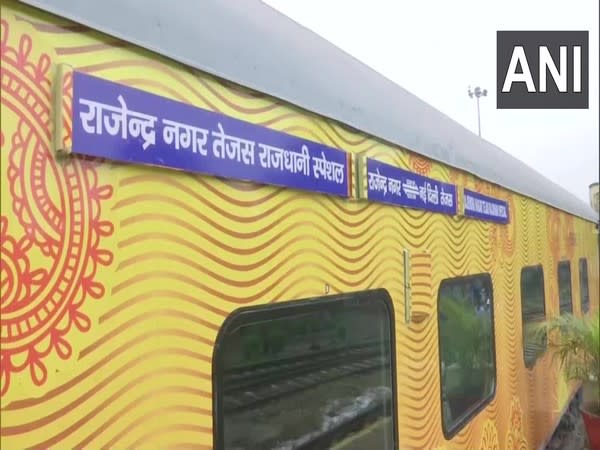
[(311, 373), (564, 287), (583, 285), (466, 346), (533, 311)]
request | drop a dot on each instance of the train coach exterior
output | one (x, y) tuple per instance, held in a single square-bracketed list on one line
[(121, 282)]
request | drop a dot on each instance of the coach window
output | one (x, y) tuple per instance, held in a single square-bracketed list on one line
[(533, 311), (564, 287), (466, 346), (307, 374), (583, 285)]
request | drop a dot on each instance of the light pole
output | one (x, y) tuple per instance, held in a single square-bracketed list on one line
[(478, 92)]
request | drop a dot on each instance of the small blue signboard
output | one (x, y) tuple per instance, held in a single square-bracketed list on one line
[(389, 184), (121, 123), (481, 206)]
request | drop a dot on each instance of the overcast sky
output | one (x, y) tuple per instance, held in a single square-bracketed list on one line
[(437, 48)]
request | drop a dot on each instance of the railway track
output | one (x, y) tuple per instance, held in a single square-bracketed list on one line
[(250, 386)]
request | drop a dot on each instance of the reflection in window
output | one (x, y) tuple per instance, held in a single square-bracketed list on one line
[(564, 287), (533, 311), (583, 285), (307, 374), (467, 354)]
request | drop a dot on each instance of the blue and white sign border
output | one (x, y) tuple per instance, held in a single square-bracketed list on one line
[(389, 184), (483, 207), (122, 123)]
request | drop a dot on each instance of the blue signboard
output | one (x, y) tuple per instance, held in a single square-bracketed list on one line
[(483, 207), (389, 184), (117, 122)]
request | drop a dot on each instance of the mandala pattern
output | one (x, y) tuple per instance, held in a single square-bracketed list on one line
[(489, 438), (55, 221), (515, 440), (420, 165)]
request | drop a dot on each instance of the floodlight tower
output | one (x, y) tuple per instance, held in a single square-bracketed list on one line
[(478, 92)]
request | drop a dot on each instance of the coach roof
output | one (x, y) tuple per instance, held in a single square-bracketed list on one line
[(252, 44)]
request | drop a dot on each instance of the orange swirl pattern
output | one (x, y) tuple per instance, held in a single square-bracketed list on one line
[(168, 256)]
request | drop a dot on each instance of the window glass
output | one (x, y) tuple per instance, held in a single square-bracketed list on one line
[(307, 374), (533, 311), (564, 287), (583, 285), (467, 353)]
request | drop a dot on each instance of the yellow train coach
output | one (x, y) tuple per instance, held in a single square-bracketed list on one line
[(219, 231)]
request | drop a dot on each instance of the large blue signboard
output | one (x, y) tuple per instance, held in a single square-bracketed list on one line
[(389, 184), (117, 122), (481, 206)]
